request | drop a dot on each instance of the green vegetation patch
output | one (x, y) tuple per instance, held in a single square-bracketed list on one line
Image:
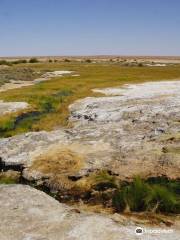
[(26, 121), (155, 194), (9, 177), (52, 98), (140, 195)]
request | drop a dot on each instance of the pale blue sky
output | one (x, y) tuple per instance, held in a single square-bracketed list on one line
[(89, 27)]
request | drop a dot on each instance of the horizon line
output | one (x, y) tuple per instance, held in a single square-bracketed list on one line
[(95, 55)]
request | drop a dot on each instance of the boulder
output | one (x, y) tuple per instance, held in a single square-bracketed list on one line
[(28, 214)]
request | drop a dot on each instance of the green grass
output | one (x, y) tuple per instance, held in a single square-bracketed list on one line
[(155, 195), (161, 199), (53, 97), (8, 179), (141, 195), (7, 125), (103, 180)]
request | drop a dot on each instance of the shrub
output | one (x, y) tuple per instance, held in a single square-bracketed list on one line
[(4, 62), (67, 60), (88, 61), (19, 61), (33, 60)]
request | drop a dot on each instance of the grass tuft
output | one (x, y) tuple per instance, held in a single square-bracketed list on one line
[(142, 196)]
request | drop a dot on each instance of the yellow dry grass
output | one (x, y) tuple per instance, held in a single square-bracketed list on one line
[(58, 163), (94, 178)]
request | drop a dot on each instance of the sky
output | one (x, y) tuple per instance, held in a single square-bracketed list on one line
[(89, 27)]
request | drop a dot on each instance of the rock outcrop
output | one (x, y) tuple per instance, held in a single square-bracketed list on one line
[(28, 214), (133, 130), (10, 107), (49, 75)]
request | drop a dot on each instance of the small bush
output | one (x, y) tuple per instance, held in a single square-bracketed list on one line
[(4, 62), (33, 60), (67, 60), (88, 61), (19, 61)]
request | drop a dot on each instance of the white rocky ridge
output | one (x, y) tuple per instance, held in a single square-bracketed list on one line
[(120, 132)]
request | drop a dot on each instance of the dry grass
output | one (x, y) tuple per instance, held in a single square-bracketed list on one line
[(58, 163), (95, 208), (97, 177)]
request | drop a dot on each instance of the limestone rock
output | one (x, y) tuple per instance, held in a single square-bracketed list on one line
[(28, 214), (125, 132), (9, 107)]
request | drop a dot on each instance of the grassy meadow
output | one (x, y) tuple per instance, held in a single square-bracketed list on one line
[(49, 100)]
